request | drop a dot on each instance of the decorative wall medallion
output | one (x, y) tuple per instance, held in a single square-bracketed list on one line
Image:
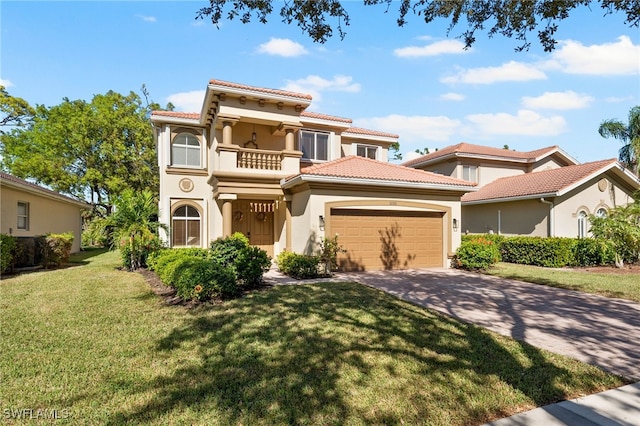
[(238, 216), (186, 185), (603, 184)]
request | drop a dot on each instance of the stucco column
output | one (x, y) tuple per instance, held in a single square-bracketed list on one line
[(288, 225), (227, 132), (226, 218), (288, 140)]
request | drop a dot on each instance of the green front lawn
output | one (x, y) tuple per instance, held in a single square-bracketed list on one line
[(94, 341), (624, 286)]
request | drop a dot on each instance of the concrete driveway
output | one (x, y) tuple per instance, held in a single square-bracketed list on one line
[(594, 329)]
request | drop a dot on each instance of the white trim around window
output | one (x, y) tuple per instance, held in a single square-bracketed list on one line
[(186, 151), (314, 145), (23, 216), (470, 173), (368, 151)]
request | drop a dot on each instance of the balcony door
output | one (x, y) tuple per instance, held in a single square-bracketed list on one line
[(254, 218)]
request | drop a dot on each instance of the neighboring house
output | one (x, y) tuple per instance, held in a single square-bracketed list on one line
[(29, 210), (253, 160), (543, 192)]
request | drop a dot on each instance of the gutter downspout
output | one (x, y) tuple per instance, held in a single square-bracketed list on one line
[(551, 231)]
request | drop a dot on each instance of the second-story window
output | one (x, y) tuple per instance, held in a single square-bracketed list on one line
[(367, 151), (470, 173), (314, 145), (185, 150)]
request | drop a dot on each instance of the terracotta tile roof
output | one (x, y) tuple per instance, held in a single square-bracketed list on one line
[(176, 114), (471, 149), (320, 116), (260, 89), (367, 132), (545, 182), (10, 178), (364, 168)]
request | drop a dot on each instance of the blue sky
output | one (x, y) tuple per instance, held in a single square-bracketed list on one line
[(414, 81)]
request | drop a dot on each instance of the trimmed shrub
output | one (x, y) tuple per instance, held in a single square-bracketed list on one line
[(496, 238), (225, 250), (135, 252), (200, 279), (7, 251), (57, 249), (477, 254), (551, 252), (592, 252), (299, 266), (250, 266)]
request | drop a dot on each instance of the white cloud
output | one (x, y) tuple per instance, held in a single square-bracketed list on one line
[(510, 71), (315, 85), (619, 58), (414, 128), (147, 18), (187, 101), (524, 123), (282, 47), (558, 100), (442, 47), (5, 83), (452, 96), (618, 99)]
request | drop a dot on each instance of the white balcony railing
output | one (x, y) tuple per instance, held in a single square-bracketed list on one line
[(258, 159)]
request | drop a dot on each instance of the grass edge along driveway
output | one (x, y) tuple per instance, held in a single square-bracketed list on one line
[(94, 341), (608, 284)]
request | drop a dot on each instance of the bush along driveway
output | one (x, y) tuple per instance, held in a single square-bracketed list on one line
[(594, 329), (95, 342)]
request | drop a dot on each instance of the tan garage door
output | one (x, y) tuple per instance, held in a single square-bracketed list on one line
[(382, 239)]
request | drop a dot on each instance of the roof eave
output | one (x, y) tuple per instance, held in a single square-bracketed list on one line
[(43, 193), (257, 93), (507, 199), (163, 119), (299, 179)]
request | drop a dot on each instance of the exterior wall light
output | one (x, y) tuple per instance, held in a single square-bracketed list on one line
[(455, 224), (321, 222)]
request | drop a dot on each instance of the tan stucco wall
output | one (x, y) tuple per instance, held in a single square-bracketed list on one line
[(589, 198), (546, 164), (526, 217), (487, 171), (309, 205), (531, 217), (46, 215)]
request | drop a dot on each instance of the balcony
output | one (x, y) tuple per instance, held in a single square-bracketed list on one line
[(249, 161)]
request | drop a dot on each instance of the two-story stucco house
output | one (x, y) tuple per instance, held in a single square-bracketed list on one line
[(542, 193), (254, 160)]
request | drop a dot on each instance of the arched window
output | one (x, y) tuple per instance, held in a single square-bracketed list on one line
[(601, 212), (583, 221), (185, 225), (185, 150)]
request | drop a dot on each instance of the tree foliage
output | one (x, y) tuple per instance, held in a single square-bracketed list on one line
[(14, 111), (85, 149), (135, 226), (512, 19), (621, 229), (629, 135)]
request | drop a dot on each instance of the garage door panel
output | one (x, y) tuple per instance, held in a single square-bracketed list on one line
[(376, 239)]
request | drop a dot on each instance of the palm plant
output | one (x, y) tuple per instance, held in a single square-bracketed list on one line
[(629, 134), (135, 226)]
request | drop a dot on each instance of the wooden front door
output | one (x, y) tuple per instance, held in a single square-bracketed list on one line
[(254, 218)]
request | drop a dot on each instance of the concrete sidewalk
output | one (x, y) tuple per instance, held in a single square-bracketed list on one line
[(611, 408), (597, 330)]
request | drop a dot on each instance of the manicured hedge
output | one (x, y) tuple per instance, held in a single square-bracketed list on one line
[(299, 266), (552, 252), (477, 254), (228, 267), (7, 248)]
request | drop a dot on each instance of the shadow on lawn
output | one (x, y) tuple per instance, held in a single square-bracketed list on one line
[(302, 354)]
